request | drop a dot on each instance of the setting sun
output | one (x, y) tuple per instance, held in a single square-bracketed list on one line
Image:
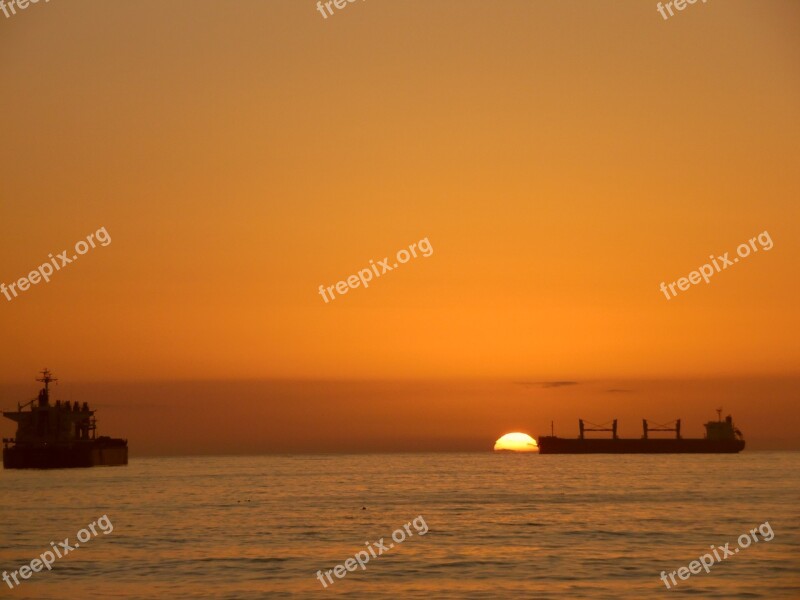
[(516, 442)]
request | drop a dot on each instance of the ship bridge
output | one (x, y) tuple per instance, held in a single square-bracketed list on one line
[(44, 423)]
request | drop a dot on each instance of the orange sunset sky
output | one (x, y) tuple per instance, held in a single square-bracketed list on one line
[(562, 158)]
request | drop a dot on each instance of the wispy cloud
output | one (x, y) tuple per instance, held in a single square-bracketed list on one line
[(547, 384)]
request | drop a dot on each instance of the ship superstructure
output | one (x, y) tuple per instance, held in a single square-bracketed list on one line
[(58, 435)]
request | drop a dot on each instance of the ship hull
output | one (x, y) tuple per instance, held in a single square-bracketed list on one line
[(98, 454), (556, 445)]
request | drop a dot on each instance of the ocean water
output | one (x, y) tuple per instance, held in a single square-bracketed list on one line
[(498, 526)]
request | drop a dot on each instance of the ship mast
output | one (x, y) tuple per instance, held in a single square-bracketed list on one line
[(46, 378)]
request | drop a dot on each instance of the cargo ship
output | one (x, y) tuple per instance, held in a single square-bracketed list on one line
[(58, 436), (721, 438)]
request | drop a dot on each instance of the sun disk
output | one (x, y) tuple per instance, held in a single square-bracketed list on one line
[(516, 442)]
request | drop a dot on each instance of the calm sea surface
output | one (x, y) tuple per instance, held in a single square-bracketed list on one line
[(500, 526)]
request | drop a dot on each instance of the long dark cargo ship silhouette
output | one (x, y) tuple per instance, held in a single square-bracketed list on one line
[(58, 436), (721, 438)]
